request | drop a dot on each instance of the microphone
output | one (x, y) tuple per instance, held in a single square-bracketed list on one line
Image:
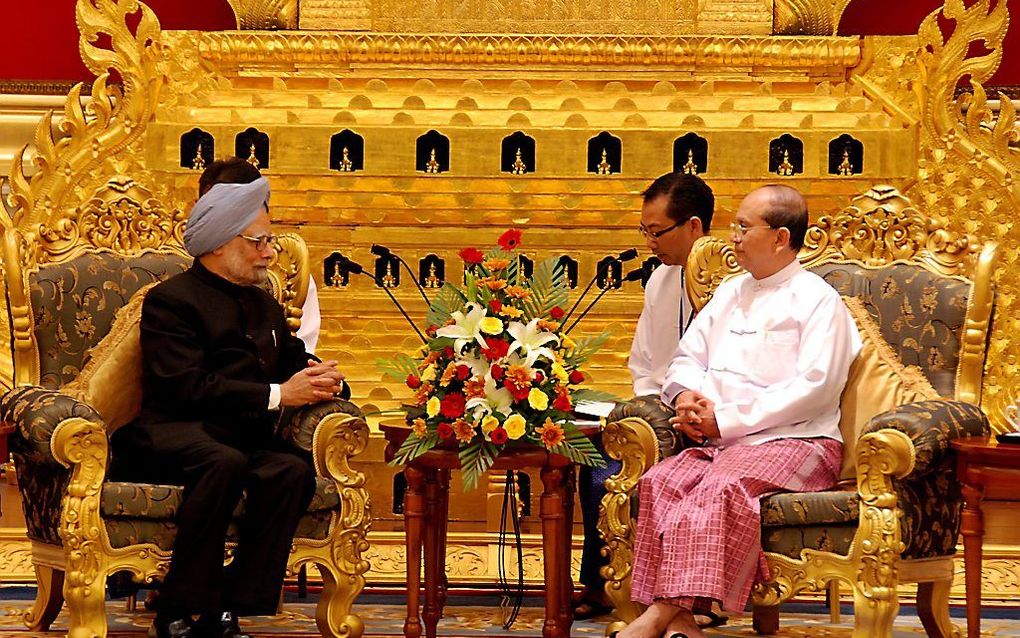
[(354, 267), (625, 256), (634, 275), (382, 251)]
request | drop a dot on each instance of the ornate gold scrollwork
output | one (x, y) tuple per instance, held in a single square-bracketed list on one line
[(82, 445), (288, 271), (882, 226), (337, 439), (114, 118), (265, 14), (632, 442), (807, 17), (711, 262)]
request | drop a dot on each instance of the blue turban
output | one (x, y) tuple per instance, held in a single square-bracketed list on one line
[(223, 213)]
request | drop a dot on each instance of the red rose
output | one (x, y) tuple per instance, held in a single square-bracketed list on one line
[(562, 403), (444, 430), (539, 378), (495, 348), (576, 377), (496, 372), (495, 305), (463, 372), (519, 393), (413, 382), (556, 313), (448, 352), (452, 405), (472, 256), (510, 239), (499, 436)]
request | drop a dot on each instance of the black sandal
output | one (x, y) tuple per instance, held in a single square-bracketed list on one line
[(714, 620)]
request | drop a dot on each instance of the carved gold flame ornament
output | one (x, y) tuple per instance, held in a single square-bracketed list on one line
[(690, 168)]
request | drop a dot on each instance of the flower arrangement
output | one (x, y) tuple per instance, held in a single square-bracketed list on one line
[(497, 369)]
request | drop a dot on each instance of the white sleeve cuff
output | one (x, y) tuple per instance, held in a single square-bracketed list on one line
[(274, 396)]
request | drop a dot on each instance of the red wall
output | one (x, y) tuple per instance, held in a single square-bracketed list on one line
[(40, 39)]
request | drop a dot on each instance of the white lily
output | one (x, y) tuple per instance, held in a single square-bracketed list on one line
[(467, 327), (479, 365), (531, 341), (495, 400)]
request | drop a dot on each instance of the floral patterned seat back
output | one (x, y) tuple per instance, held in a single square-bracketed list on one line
[(74, 304)]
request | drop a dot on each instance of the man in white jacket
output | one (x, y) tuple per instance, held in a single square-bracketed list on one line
[(676, 210)]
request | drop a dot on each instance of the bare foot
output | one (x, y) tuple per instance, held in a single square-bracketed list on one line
[(683, 623), (652, 623)]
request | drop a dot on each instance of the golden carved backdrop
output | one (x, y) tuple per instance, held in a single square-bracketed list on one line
[(558, 73)]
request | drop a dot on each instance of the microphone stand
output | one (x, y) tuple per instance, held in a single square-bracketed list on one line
[(626, 255), (383, 251), (633, 275), (358, 269)]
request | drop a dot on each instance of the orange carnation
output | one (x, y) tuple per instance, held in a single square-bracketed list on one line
[(551, 434)]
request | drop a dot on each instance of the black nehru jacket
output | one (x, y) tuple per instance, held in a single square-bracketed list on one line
[(210, 349)]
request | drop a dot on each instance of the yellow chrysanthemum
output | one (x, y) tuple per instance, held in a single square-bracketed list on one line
[(419, 428), (429, 373), (537, 399), (432, 407), (567, 342), (515, 426), (491, 326), (559, 372), (489, 424), (511, 312)]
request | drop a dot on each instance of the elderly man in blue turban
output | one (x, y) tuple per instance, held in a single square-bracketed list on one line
[(218, 365)]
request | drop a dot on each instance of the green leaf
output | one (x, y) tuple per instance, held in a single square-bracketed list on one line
[(577, 447), (588, 394), (445, 303), (475, 459), (397, 367), (548, 289), (413, 447), (585, 347)]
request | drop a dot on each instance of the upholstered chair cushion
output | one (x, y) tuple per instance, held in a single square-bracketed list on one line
[(42, 480), (656, 414), (74, 304), (877, 382), (920, 314), (144, 513), (111, 379)]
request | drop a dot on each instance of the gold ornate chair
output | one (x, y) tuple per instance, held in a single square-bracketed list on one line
[(75, 290), (926, 292)]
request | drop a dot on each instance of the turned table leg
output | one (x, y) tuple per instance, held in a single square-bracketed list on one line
[(414, 514)]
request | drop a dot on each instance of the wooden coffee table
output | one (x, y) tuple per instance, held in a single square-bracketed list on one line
[(426, 509), (981, 461)]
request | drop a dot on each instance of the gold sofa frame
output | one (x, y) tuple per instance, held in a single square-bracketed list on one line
[(879, 228), (124, 219)]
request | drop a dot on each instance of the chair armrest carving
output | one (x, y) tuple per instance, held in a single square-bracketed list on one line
[(657, 415), (82, 445), (931, 426), (633, 442), (299, 428), (37, 412), (881, 456)]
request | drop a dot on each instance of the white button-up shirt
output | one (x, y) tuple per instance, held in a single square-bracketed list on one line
[(666, 313), (772, 354)]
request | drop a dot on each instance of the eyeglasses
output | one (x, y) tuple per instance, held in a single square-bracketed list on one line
[(655, 234), (262, 241), (739, 229)]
